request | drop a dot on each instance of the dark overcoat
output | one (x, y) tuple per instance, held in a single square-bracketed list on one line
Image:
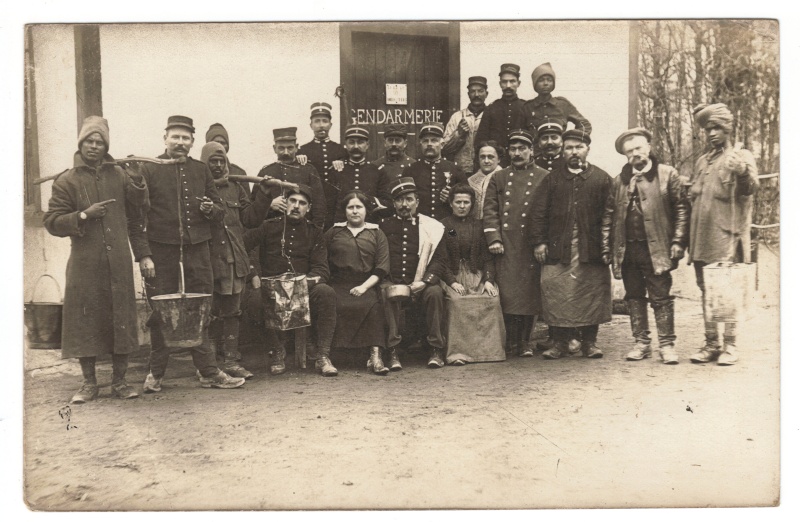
[(99, 298)]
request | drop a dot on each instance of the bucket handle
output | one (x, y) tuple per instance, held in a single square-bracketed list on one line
[(36, 287), (182, 287)]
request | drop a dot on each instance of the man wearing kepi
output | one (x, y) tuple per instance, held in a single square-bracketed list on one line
[(97, 205), (358, 174), (504, 114), (183, 204), (288, 169), (645, 232), (217, 132), (417, 258), (432, 175), (395, 160), (289, 243), (321, 152), (459, 134), (567, 221), (549, 144), (506, 225), (229, 259), (725, 179)]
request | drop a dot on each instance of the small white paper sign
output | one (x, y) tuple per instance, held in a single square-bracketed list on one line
[(396, 94)]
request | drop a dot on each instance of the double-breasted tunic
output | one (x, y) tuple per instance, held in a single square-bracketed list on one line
[(99, 314), (394, 168), (431, 177), (367, 178), (507, 218)]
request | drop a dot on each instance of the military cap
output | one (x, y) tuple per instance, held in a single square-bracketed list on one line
[(520, 135), (435, 128), (477, 80), (509, 68), (285, 134), (402, 186), (395, 129), (302, 188), (320, 109), (577, 134), (637, 131), (180, 121), (551, 126), (356, 131)]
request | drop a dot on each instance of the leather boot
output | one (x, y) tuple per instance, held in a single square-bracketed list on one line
[(89, 390), (394, 360), (120, 388), (640, 330), (559, 344), (588, 340), (665, 325), (278, 364), (375, 363), (231, 363), (215, 338), (436, 360)]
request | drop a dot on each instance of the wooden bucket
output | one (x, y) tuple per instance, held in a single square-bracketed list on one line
[(288, 306), (182, 317), (730, 289), (43, 320)]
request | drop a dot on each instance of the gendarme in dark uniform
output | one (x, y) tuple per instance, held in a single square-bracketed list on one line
[(288, 169), (546, 159), (502, 115), (361, 175), (394, 165), (432, 175)]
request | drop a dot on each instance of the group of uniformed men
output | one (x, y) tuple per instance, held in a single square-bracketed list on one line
[(552, 220)]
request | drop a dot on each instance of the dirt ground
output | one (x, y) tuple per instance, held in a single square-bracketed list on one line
[(525, 433)]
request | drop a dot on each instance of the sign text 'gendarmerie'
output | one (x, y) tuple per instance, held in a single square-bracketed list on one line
[(388, 116)]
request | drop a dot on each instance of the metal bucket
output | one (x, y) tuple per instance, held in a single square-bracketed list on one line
[(182, 318), (730, 289), (288, 307), (43, 320)]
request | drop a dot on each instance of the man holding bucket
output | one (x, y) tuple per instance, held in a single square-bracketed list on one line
[(725, 179), (291, 244), (97, 205), (183, 204)]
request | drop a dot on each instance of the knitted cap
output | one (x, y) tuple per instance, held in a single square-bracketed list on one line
[(211, 149), (540, 71), (92, 124), (216, 130)]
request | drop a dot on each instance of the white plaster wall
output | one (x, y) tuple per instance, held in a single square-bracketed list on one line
[(252, 78), (590, 60)]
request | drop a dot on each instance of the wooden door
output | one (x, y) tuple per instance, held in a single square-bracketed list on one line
[(415, 57)]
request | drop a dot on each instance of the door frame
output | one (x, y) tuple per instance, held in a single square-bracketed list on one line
[(449, 30)]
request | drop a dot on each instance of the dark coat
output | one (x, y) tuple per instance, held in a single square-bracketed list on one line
[(304, 245), (430, 179), (296, 173), (538, 111), (480, 260), (366, 177), (499, 118), (665, 208), (394, 169), (99, 299), (192, 180), (564, 198)]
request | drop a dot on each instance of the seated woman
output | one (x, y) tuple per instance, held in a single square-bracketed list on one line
[(358, 258), (475, 328), (489, 156)]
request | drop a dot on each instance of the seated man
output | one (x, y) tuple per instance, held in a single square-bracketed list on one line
[(417, 258), (289, 243)]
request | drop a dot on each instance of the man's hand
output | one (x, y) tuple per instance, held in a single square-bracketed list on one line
[(98, 210), (734, 163), (256, 282), (490, 288), (496, 247), (444, 195), (206, 205), (338, 165), (463, 127), (302, 159), (606, 259), (416, 286), (540, 253), (147, 267), (676, 252), (459, 288), (279, 204), (358, 291)]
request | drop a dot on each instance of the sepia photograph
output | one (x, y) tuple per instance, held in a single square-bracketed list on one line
[(400, 265)]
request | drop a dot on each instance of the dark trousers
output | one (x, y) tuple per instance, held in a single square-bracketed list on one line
[(198, 278), (224, 327), (587, 334), (639, 279), (431, 302), (322, 302)]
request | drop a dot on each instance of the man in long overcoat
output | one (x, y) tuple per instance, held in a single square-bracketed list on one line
[(97, 205), (507, 226)]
